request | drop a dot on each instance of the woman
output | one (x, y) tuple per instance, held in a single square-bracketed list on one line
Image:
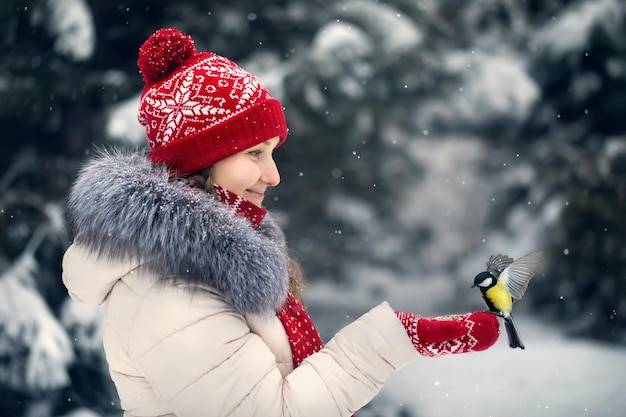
[(203, 312)]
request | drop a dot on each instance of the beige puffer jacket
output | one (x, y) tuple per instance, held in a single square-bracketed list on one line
[(185, 343)]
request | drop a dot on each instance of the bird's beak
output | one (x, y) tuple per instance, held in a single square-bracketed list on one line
[(473, 286)]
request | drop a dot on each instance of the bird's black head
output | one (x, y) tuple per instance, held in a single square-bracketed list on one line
[(485, 280)]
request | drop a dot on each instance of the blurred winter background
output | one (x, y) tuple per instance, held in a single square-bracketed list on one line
[(425, 136)]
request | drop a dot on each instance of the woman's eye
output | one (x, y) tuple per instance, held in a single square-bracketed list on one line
[(255, 153)]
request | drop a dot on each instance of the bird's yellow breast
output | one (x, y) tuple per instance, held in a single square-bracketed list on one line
[(500, 298)]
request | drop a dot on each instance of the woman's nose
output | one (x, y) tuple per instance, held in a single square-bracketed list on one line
[(271, 176)]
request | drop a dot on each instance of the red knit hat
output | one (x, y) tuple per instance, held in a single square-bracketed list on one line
[(198, 107)]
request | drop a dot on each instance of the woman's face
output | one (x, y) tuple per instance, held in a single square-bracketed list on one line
[(249, 173)]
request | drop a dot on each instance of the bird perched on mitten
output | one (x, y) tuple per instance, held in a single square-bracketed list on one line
[(504, 282)]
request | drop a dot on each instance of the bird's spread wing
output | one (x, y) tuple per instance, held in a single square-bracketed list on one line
[(517, 275), (497, 263)]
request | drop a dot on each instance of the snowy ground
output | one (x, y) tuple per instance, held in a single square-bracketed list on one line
[(555, 376)]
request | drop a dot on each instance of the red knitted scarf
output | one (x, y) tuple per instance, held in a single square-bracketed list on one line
[(304, 338), (240, 206)]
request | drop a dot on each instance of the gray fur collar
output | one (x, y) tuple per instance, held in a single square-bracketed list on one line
[(123, 207)]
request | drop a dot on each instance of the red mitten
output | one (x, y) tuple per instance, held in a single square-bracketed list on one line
[(462, 333)]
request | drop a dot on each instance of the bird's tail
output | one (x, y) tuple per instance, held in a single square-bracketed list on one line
[(515, 340)]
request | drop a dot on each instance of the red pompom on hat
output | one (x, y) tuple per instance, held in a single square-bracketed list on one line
[(198, 107)]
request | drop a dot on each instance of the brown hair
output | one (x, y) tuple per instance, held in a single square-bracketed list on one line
[(296, 277)]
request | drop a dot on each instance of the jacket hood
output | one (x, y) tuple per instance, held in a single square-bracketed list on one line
[(126, 211)]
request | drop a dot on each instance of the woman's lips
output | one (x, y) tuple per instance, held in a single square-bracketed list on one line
[(257, 194)]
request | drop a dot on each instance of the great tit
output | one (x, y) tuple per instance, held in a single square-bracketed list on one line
[(504, 282)]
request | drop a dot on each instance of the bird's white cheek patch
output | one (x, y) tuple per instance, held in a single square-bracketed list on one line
[(486, 282)]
